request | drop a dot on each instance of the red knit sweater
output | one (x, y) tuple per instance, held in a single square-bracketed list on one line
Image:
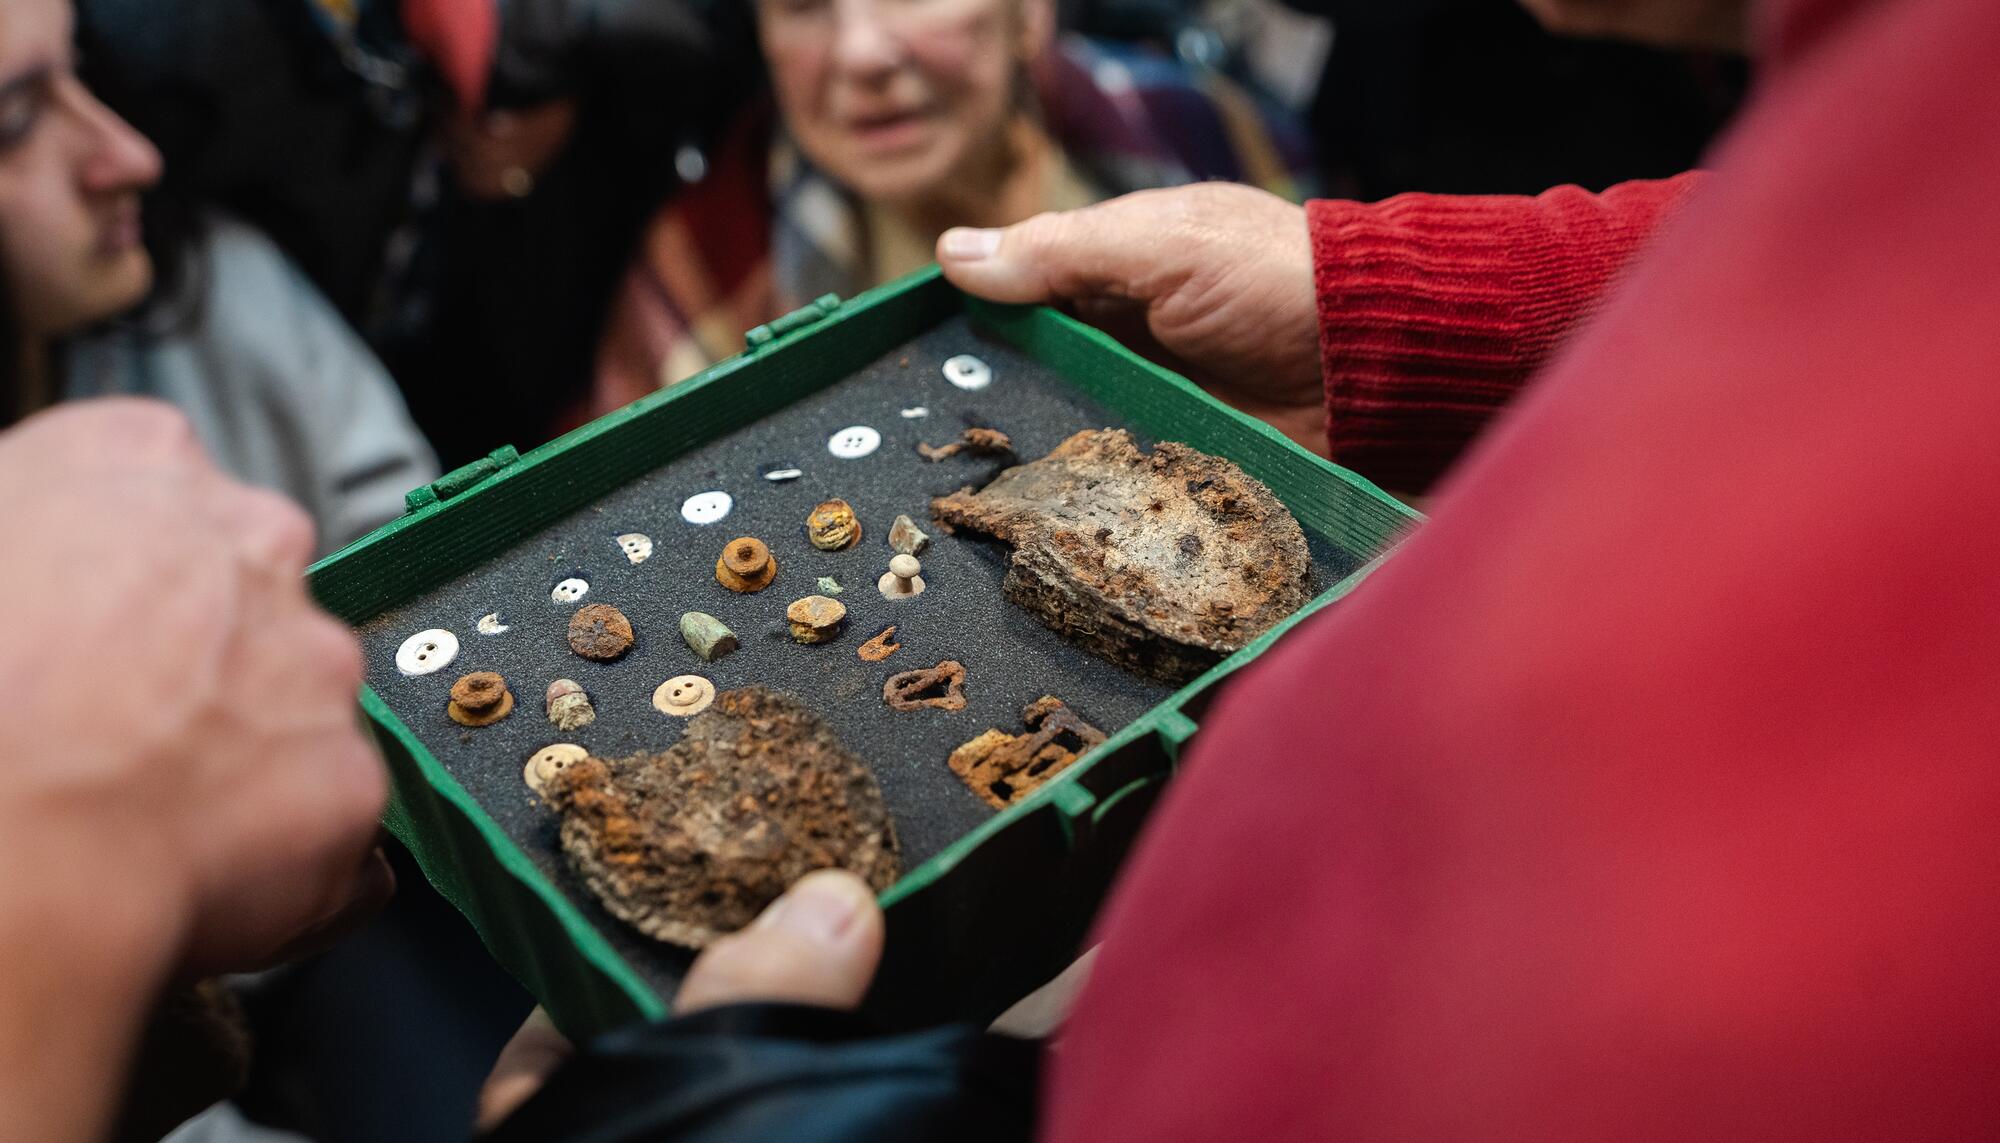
[(1650, 792), (1435, 309)]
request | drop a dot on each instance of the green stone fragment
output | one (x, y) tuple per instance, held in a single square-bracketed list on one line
[(707, 636), (829, 585)]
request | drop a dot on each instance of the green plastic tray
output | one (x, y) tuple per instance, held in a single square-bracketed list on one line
[(994, 914)]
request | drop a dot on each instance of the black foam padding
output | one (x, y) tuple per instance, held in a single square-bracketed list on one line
[(1010, 658)]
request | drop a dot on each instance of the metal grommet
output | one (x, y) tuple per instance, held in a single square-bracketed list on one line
[(968, 372), (427, 651)]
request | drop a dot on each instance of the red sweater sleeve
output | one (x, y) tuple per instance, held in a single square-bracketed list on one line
[(1648, 793), (1435, 309)]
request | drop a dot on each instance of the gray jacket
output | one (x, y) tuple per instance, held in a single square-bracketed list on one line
[(280, 390)]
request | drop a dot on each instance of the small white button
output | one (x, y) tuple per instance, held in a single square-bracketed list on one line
[(427, 651), (854, 442), (706, 507), (914, 414), (968, 372), (492, 624), (569, 591), (779, 473), (636, 546)]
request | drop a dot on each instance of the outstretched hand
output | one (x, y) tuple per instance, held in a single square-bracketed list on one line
[(1215, 280)]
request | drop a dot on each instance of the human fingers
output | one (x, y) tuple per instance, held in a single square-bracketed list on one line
[(1110, 250), (525, 1064), (818, 944)]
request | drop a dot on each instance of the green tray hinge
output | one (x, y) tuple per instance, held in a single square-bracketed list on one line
[(810, 314), (460, 479)]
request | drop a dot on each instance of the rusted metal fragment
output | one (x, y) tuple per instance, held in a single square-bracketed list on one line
[(911, 690), (692, 843), (1162, 563), (978, 442), (879, 648), (1003, 768)]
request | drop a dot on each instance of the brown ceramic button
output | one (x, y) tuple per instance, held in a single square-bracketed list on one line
[(902, 580), (683, 696), (833, 527), (480, 699), (879, 648), (550, 761), (600, 631), (941, 688), (569, 706), (746, 565), (815, 619)]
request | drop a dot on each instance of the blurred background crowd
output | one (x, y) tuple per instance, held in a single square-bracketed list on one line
[(387, 236)]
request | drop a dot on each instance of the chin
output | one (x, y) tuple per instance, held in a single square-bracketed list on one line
[(127, 284)]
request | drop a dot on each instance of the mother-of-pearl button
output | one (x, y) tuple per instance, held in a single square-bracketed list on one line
[(684, 696), (854, 442), (492, 624), (968, 372), (636, 545), (427, 651), (550, 761), (706, 507), (569, 590)]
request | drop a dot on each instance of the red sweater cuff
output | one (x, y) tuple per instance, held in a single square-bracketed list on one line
[(1435, 309)]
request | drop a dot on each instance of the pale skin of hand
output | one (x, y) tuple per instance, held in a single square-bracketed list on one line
[(818, 944), (184, 786), (1214, 280)]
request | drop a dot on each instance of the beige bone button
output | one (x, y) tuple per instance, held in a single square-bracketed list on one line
[(902, 580), (684, 696), (549, 761)]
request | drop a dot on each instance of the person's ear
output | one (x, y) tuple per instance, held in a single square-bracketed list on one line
[(1038, 28)]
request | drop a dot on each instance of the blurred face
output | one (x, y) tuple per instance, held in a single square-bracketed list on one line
[(1721, 24), (897, 98), (70, 177)]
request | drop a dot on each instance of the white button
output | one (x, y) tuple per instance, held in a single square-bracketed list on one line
[(491, 624), (427, 651), (854, 442), (968, 372), (637, 546), (569, 591), (706, 507), (779, 473), (913, 414)]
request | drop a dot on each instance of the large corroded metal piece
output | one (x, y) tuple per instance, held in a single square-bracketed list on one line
[(1162, 563), (693, 843)]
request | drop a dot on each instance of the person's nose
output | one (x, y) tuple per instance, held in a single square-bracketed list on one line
[(864, 44), (115, 156)]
